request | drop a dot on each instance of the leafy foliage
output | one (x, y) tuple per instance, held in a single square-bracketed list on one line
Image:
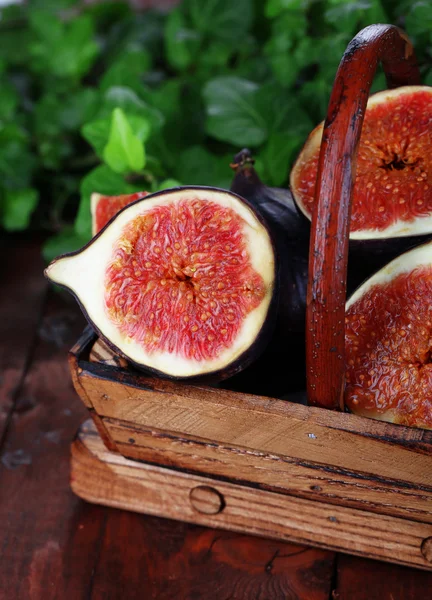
[(99, 98)]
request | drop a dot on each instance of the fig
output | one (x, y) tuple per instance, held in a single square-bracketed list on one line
[(181, 283), (388, 342), (290, 233), (392, 198), (103, 208), (272, 374)]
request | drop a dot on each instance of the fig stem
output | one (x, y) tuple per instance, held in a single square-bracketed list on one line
[(328, 258)]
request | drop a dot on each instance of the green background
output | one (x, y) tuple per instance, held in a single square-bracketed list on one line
[(99, 98)]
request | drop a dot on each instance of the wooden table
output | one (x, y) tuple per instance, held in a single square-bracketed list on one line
[(54, 545)]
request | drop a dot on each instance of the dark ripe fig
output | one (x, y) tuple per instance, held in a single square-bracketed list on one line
[(392, 199), (104, 208), (181, 283), (291, 235), (281, 368), (388, 341)]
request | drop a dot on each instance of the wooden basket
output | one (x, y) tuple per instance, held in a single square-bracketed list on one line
[(261, 465)]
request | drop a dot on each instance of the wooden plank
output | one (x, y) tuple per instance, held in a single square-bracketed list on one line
[(261, 424), (158, 559), (19, 316), (49, 539), (108, 478), (276, 472), (364, 579)]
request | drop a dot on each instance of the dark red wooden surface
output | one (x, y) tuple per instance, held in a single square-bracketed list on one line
[(55, 546)]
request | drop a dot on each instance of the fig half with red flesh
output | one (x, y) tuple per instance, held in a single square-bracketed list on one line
[(181, 283), (392, 199), (388, 342), (104, 208)]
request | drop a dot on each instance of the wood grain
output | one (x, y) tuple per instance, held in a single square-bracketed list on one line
[(363, 579), (48, 538), (146, 558), (277, 472), (108, 478), (19, 315), (299, 450)]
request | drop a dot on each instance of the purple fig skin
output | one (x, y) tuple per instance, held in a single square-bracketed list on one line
[(290, 231), (281, 369)]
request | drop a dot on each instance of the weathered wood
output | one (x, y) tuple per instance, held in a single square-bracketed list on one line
[(363, 579), (105, 477), (146, 558), (328, 256), (303, 451), (19, 315), (101, 353), (48, 538), (280, 473)]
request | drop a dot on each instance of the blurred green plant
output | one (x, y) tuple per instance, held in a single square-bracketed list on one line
[(98, 98)]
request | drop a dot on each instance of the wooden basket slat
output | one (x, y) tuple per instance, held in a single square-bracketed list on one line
[(279, 473), (104, 477), (264, 425)]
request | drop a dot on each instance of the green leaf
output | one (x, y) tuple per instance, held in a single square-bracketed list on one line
[(124, 151), (131, 104), (65, 241), (223, 19), (274, 8), (181, 43), (104, 181), (17, 162), (277, 156), (348, 16), (419, 18), (127, 70), (97, 132), (62, 50), (167, 184), (8, 101), (231, 111), (18, 206), (198, 166), (282, 112)]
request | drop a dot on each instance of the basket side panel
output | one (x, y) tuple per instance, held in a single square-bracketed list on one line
[(107, 478)]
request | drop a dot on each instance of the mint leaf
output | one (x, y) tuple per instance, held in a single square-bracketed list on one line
[(124, 151), (231, 111), (17, 208)]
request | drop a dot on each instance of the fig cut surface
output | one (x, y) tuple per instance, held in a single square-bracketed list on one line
[(388, 341), (393, 187), (180, 282), (104, 208)]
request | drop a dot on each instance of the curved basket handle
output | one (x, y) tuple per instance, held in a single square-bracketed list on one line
[(325, 316)]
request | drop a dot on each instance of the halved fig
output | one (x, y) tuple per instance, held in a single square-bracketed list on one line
[(388, 341), (392, 199), (181, 283), (104, 208)]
